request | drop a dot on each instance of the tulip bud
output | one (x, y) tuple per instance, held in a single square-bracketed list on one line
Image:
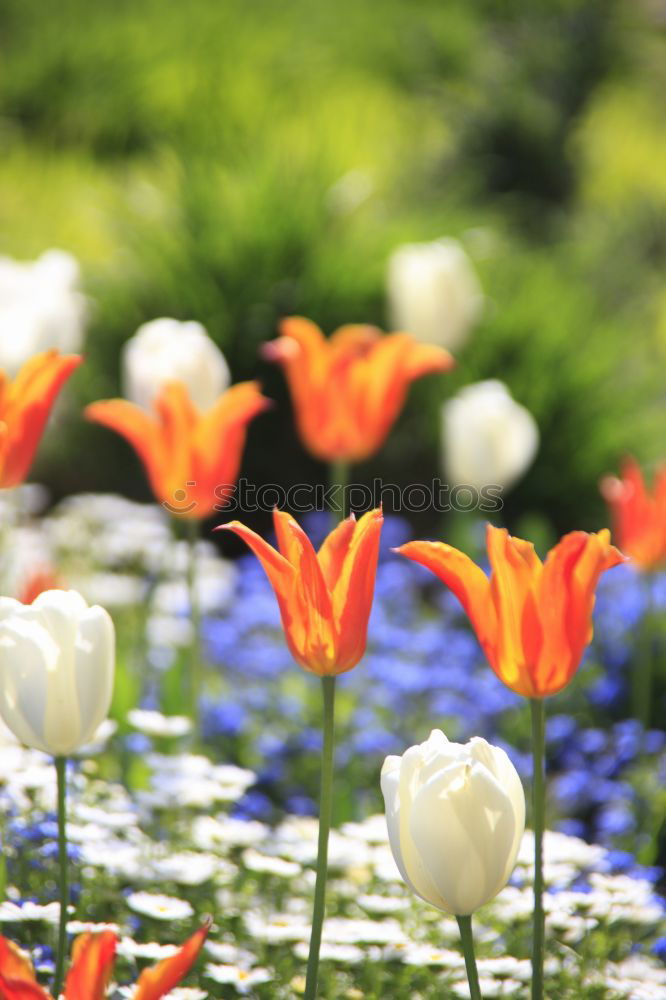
[(455, 816), (488, 437), (57, 660), (434, 292), (41, 308), (166, 350)]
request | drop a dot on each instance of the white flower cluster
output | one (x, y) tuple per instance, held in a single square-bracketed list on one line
[(264, 876)]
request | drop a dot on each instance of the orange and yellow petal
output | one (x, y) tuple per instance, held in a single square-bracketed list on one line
[(354, 590), (218, 444), (155, 983), (310, 631), (515, 574), (638, 514), (92, 964), (14, 964), (467, 581), (139, 429), (279, 570), (333, 550), (16, 989), (25, 405), (428, 359)]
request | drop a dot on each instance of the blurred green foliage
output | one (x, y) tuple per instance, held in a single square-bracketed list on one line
[(233, 162)]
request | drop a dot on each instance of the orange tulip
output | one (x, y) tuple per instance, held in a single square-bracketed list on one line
[(348, 390), (639, 516), (533, 619), (92, 962), (191, 458), (25, 405), (325, 597)]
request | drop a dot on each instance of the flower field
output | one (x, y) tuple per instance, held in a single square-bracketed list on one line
[(161, 835), (332, 500)]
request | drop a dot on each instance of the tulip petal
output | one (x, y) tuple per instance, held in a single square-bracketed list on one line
[(354, 589), (28, 656), (515, 573), (499, 765), (279, 570), (140, 430), (15, 964), (333, 551), (9, 606), (16, 989), (416, 873), (570, 576), (384, 380), (282, 577), (467, 581), (94, 660), (219, 440), (390, 785), (157, 982), (464, 828), (177, 418), (301, 349), (92, 964), (638, 515), (311, 623), (59, 612), (428, 359), (25, 408)]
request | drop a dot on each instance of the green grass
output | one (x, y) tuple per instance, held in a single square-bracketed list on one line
[(191, 157)]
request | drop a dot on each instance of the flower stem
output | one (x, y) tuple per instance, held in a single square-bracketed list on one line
[(196, 665), (467, 938), (538, 818), (339, 477), (61, 774), (325, 805)]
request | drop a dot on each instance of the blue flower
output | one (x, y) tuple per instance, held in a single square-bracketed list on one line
[(137, 743), (560, 728), (572, 827), (227, 718), (615, 819), (253, 805), (301, 805)]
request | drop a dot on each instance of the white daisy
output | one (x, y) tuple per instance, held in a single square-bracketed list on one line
[(158, 906)]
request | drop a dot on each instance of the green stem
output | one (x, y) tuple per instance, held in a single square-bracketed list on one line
[(325, 807), (61, 773), (467, 938), (339, 477), (642, 673), (196, 664), (538, 818)]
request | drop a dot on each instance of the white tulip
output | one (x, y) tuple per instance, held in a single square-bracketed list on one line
[(41, 308), (455, 816), (165, 350), (488, 438), (434, 293), (57, 661)]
